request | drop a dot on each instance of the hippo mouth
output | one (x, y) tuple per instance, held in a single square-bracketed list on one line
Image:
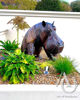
[(60, 49), (56, 50)]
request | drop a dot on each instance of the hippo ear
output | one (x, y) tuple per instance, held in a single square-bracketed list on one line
[(53, 23), (43, 23)]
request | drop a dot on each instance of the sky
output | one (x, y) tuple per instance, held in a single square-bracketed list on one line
[(69, 0)]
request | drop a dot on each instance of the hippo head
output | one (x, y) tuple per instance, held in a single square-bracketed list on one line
[(53, 44)]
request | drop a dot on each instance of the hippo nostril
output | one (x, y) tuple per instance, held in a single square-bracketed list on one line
[(62, 44), (58, 43)]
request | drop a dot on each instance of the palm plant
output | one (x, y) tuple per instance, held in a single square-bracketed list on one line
[(18, 23)]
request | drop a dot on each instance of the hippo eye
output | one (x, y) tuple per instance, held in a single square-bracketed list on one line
[(54, 28)]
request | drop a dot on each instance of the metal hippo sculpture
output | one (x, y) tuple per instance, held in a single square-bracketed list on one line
[(41, 35)]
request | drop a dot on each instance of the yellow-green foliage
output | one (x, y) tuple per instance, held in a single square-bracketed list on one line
[(17, 67), (44, 64), (48, 63), (26, 4)]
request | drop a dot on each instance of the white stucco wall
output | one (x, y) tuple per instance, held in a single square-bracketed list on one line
[(67, 28)]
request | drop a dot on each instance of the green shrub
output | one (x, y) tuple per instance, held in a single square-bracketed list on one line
[(75, 5), (65, 6), (1, 6), (26, 4), (18, 67), (7, 45), (49, 5), (64, 64), (12, 7)]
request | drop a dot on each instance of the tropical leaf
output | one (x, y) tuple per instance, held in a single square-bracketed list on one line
[(23, 69), (21, 77), (17, 67), (6, 75)]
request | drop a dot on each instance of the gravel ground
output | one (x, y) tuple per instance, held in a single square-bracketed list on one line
[(50, 79), (53, 79)]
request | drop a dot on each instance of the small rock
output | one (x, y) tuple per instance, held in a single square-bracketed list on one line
[(2, 58)]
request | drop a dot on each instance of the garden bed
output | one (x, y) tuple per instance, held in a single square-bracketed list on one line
[(49, 79)]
